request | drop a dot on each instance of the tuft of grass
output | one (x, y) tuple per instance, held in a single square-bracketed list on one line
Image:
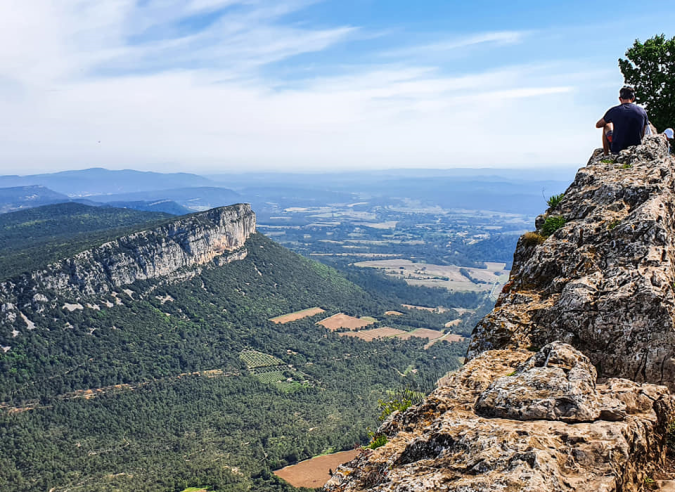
[(613, 224), (512, 373), (554, 200), (533, 348), (552, 224), (626, 166), (533, 238), (607, 161), (377, 441)]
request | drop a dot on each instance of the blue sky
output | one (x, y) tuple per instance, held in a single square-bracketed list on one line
[(223, 85)]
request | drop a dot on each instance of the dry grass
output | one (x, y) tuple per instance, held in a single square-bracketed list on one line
[(342, 320), (305, 313), (370, 335), (533, 238)]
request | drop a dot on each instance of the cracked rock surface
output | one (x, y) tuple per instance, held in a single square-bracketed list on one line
[(483, 430)]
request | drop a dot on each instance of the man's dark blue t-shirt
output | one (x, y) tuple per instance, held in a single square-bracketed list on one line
[(629, 122)]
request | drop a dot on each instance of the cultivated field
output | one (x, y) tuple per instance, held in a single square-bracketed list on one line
[(452, 323), (438, 310), (254, 359), (393, 313), (450, 277), (422, 333), (450, 338), (305, 313), (342, 320), (314, 473), (370, 335)]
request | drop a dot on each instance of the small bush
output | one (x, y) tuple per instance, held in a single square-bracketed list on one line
[(552, 224), (613, 224), (377, 441), (400, 400), (533, 238), (554, 200)]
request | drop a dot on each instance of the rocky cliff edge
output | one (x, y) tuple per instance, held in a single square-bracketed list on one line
[(215, 235), (557, 394)]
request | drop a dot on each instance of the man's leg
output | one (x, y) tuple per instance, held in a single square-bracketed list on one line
[(607, 132)]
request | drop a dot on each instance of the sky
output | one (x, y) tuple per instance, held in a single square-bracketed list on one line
[(308, 85)]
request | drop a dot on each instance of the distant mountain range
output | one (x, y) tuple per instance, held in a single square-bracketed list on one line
[(97, 181), (513, 191)]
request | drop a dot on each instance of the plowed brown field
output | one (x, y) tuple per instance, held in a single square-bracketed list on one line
[(342, 320), (370, 335), (314, 473)]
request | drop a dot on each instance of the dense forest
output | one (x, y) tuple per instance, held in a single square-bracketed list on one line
[(152, 394)]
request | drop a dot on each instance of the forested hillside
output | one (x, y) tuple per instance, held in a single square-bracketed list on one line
[(30, 239), (151, 387)]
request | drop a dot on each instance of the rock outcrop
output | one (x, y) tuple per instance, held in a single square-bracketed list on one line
[(528, 411), (504, 423), (604, 281), (215, 235)]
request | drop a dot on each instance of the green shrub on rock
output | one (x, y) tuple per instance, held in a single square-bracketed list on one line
[(552, 224)]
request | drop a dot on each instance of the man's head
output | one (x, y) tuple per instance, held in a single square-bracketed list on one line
[(627, 94)]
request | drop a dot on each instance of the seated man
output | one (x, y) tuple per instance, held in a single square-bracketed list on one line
[(623, 125)]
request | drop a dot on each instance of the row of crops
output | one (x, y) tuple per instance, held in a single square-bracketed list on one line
[(254, 359)]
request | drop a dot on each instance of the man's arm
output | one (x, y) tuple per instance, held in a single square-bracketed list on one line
[(601, 123)]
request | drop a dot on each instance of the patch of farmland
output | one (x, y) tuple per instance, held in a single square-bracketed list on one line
[(422, 333), (370, 335), (389, 224), (270, 377), (254, 359), (341, 320), (449, 337), (393, 313), (449, 277), (452, 323), (314, 473), (439, 309), (305, 313)]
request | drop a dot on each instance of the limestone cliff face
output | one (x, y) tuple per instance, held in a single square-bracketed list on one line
[(604, 281), (217, 234), (528, 412)]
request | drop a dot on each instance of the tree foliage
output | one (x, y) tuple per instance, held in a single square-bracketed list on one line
[(650, 68)]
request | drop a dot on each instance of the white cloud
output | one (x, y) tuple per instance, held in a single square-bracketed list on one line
[(70, 77), (498, 38)]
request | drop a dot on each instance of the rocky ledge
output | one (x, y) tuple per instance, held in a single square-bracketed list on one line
[(604, 281), (511, 420), (539, 406)]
